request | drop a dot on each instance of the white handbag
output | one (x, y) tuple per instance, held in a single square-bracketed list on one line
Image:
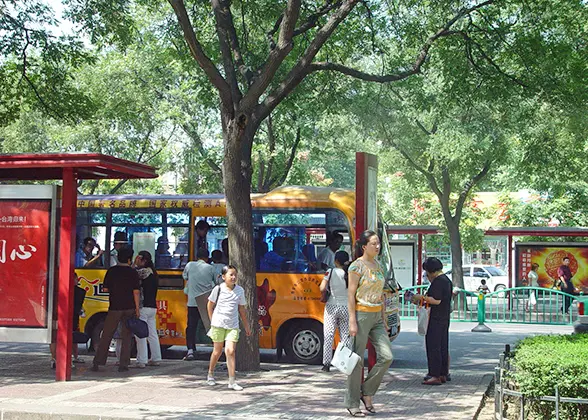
[(344, 359), (423, 319)]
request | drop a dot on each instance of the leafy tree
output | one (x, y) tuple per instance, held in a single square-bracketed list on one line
[(256, 56), (462, 118), (35, 66), (125, 123)]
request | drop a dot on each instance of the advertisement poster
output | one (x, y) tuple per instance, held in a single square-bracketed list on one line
[(403, 256), (550, 258), (24, 257)]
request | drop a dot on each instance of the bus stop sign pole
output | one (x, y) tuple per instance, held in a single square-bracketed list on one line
[(65, 290)]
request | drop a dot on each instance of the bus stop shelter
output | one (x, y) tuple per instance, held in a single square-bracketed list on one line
[(70, 168), (510, 232), (419, 231)]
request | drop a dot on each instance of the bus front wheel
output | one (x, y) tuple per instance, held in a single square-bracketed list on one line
[(304, 343)]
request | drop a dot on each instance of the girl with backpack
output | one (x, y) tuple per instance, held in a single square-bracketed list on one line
[(336, 314), (225, 304)]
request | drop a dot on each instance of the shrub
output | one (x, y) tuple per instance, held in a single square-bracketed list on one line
[(543, 362)]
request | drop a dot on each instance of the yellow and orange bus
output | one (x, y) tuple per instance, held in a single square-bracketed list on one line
[(290, 311)]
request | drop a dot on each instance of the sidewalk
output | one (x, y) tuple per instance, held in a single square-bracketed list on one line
[(177, 389)]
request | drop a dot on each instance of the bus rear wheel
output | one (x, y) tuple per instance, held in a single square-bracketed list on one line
[(304, 343)]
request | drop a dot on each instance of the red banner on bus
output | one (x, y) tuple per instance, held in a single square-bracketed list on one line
[(24, 262)]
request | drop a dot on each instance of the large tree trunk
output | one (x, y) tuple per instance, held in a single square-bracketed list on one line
[(456, 254), (238, 137)]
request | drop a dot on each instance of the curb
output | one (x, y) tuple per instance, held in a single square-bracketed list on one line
[(486, 398)]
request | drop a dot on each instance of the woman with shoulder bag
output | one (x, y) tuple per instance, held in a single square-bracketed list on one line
[(336, 315), (367, 319), (148, 310), (438, 297)]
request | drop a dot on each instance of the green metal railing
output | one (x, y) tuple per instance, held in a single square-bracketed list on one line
[(531, 305), (527, 305), (464, 306)]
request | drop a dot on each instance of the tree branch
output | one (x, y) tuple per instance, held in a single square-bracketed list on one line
[(277, 182), (272, 148), (301, 68), (273, 31), (313, 19), (260, 173), (276, 55), (468, 187), (427, 173), (415, 67), (197, 142), (489, 60), (197, 52), (229, 45)]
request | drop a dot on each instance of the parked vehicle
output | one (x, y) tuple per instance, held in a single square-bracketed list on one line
[(496, 278)]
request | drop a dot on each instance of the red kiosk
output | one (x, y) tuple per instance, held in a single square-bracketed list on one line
[(69, 168)]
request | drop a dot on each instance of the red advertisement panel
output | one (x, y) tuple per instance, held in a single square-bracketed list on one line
[(24, 256), (550, 258)]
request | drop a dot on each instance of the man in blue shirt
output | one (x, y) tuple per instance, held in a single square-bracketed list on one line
[(84, 257)]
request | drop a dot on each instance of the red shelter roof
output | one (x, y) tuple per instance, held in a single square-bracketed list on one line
[(538, 231), (22, 167), (412, 229)]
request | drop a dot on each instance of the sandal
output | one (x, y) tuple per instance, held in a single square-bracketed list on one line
[(356, 412), (369, 408)]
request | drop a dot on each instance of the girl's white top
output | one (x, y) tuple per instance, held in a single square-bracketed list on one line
[(226, 311), (337, 286)]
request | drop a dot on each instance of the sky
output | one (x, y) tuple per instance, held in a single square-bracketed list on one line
[(65, 27)]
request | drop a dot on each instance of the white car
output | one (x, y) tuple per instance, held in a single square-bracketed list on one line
[(496, 278)]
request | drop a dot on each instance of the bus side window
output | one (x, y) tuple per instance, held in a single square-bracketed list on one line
[(290, 241), (215, 235), (90, 225)]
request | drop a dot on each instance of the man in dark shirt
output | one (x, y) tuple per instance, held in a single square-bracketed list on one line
[(122, 284), (437, 338), (564, 274)]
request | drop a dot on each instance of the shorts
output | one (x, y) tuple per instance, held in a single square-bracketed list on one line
[(220, 335)]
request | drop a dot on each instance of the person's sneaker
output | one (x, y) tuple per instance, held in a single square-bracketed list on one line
[(152, 363), (326, 368), (52, 363), (94, 368), (210, 381), (78, 360), (235, 387), (138, 365), (189, 357), (123, 369)]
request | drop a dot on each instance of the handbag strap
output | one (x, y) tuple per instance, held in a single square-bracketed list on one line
[(329, 280), (350, 342)]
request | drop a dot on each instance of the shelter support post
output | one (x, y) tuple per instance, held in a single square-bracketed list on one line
[(67, 229), (509, 261), (419, 258)]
